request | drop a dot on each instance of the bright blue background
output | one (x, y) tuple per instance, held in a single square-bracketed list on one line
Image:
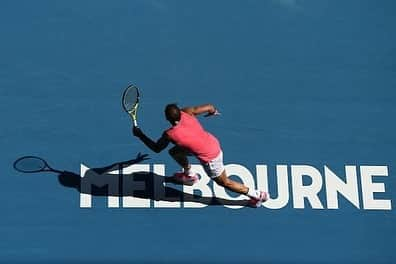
[(298, 82)]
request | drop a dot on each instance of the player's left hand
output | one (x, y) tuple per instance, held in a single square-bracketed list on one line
[(215, 112)]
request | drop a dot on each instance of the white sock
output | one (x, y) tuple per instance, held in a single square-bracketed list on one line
[(252, 193)]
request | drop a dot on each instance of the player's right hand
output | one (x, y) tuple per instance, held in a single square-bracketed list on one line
[(137, 132)]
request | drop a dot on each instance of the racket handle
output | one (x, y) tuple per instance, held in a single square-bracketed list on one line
[(134, 123)]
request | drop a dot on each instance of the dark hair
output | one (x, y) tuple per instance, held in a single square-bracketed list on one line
[(172, 113)]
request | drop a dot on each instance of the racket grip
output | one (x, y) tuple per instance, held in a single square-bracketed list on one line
[(134, 123)]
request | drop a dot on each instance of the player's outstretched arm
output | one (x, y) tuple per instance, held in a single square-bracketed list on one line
[(208, 109), (158, 146)]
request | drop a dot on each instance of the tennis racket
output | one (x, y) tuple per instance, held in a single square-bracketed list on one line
[(130, 102), (30, 164)]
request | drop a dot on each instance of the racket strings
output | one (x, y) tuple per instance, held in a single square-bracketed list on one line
[(131, 97), (30, 164)]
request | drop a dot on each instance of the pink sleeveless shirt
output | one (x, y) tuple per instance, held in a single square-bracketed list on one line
[(189, 134)]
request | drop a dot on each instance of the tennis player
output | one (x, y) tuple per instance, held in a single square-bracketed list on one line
[(190, 138)]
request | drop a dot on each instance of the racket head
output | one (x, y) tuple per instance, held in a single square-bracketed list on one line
[(130, 101), (30, 164)]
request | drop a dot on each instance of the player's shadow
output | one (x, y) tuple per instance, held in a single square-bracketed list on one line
[(109, 181)]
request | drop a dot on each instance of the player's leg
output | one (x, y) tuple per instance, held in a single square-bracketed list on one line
[(215, 170), (187, 176), (179, 154), (234, 186), (256, 197)]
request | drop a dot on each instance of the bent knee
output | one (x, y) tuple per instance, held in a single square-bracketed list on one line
[(177, 151), (172, 151)]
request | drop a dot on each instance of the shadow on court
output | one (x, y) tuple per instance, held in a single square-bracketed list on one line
[(109, 181)]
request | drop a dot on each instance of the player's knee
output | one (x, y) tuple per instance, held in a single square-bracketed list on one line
[(172, 151)]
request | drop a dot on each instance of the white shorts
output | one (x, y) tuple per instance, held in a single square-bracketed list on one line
[(215, 167)]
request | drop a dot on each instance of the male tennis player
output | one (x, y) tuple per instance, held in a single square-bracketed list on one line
[(191, 139)]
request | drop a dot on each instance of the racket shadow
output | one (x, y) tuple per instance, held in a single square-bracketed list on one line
[(145, 185), (106, 181)]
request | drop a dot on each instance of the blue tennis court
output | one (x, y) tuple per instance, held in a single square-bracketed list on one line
[(307, 94)]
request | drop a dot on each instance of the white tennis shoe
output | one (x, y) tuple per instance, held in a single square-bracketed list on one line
[(183, 178), (259, 200)]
